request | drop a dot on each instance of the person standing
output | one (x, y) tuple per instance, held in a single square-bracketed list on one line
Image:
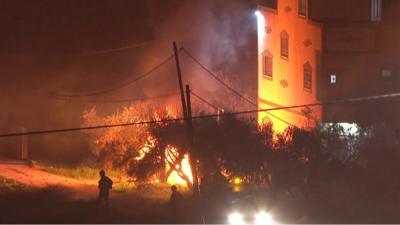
[(176, 204), (105, 185)]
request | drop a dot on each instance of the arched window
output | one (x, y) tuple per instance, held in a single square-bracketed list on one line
[(307, 79), (284, 45), (267, 64), (303, 8)]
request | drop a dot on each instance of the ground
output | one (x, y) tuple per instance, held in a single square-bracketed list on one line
[(30, 194), (50, 198)]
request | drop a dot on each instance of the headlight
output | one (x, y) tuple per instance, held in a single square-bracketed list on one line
[(236, 219), (263, 218)]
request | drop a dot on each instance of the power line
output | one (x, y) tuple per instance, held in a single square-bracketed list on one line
[(346, 101), (205, 101), (229, 87), (88, 53), (114, 101), (146, 74)]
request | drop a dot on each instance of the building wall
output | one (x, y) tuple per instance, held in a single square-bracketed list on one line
[(340, 10), (359, 54), (286, 87)]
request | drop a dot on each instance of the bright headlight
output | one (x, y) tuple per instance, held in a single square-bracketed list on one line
[(236, 219), (263, 218)]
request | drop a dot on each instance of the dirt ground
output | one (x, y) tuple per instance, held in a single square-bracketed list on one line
[(56, 199)]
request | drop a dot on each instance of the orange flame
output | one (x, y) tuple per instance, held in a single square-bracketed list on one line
[(182, 169)]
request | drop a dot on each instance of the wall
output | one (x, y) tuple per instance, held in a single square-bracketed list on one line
[(286, 87), (340, 10), (358, 59)]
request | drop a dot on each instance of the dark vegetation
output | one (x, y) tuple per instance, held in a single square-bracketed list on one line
[(327, 174), (324, 175)]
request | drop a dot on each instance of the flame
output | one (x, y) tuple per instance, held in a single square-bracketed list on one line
[(174, 178), (181, 175), (183, 168), (151, 142)]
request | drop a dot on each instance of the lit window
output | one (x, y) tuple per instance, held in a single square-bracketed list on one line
[(302, 7), (285, 45), (307, 73), (376, 10), (333, 79), (267, 64)]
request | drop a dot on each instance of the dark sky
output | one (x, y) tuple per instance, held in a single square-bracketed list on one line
[(62, 26), (42, 40)]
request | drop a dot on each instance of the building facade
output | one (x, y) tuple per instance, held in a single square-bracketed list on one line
[(289, 45), (338, 50)]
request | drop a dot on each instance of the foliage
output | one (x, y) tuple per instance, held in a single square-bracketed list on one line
[(325, 161), (229, 144), (118, 147)]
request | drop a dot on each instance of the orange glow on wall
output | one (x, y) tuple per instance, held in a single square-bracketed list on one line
[(286, 85)]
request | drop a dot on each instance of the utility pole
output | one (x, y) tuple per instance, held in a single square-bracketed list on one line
[(179, 73), (189, 126), (187, 115), (193, 158), (24, 145)]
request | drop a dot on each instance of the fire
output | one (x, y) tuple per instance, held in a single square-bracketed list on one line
[(119, 140), (151, 142), (182, 169), (182, 172)]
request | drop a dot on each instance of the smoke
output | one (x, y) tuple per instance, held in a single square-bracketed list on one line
[(219, 33)]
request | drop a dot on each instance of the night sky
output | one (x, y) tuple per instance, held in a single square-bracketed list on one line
[(44, 46)]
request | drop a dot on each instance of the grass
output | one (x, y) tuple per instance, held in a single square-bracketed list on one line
[(121, 181), (9, 185), (84, 173)]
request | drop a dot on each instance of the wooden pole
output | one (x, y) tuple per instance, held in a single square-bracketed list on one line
[(179, 73), (193, 158), (24, 145)]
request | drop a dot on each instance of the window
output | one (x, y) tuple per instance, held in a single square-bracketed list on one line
[(376, 10), (267, 64), (333, 80), (273, 4), (387, 74), (302, 8), (285, 45), (307, 73)]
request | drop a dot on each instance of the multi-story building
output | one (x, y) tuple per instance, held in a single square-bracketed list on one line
[(322, 50), (289, 46)]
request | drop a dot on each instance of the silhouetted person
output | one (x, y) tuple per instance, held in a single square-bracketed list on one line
[(176, 204), (105, 185)]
